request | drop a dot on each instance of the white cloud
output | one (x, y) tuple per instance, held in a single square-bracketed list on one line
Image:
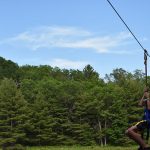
[(67, 64), (67, 37), (145, 39)]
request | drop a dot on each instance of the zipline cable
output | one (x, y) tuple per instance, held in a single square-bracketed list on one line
[(145, 51)]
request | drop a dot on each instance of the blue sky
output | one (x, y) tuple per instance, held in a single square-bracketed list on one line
[(73, 33)]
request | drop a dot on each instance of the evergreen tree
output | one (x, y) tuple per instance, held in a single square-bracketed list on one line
[(8, 69), (13, 116)]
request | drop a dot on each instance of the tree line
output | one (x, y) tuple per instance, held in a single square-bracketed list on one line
[(42, 105)]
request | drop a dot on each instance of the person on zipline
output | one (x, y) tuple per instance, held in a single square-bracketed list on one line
[(133, 132)]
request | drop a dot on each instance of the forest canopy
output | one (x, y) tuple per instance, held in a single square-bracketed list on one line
[(42, 105)]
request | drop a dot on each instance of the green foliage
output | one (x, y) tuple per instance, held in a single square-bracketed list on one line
[(15, 147), (41, 105), (8, 69), (12, 114)]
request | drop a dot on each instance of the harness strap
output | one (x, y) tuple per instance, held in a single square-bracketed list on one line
[(145, 63)]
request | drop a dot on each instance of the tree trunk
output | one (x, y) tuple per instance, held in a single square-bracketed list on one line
[(100, 129), (105, 139)]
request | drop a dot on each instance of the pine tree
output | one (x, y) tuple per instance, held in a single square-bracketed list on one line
[(42, 121), (12, 114)]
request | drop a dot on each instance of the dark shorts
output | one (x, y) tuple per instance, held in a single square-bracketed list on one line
[(144, 124)]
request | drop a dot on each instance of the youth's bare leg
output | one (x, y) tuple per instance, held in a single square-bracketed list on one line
[(132, 133)]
